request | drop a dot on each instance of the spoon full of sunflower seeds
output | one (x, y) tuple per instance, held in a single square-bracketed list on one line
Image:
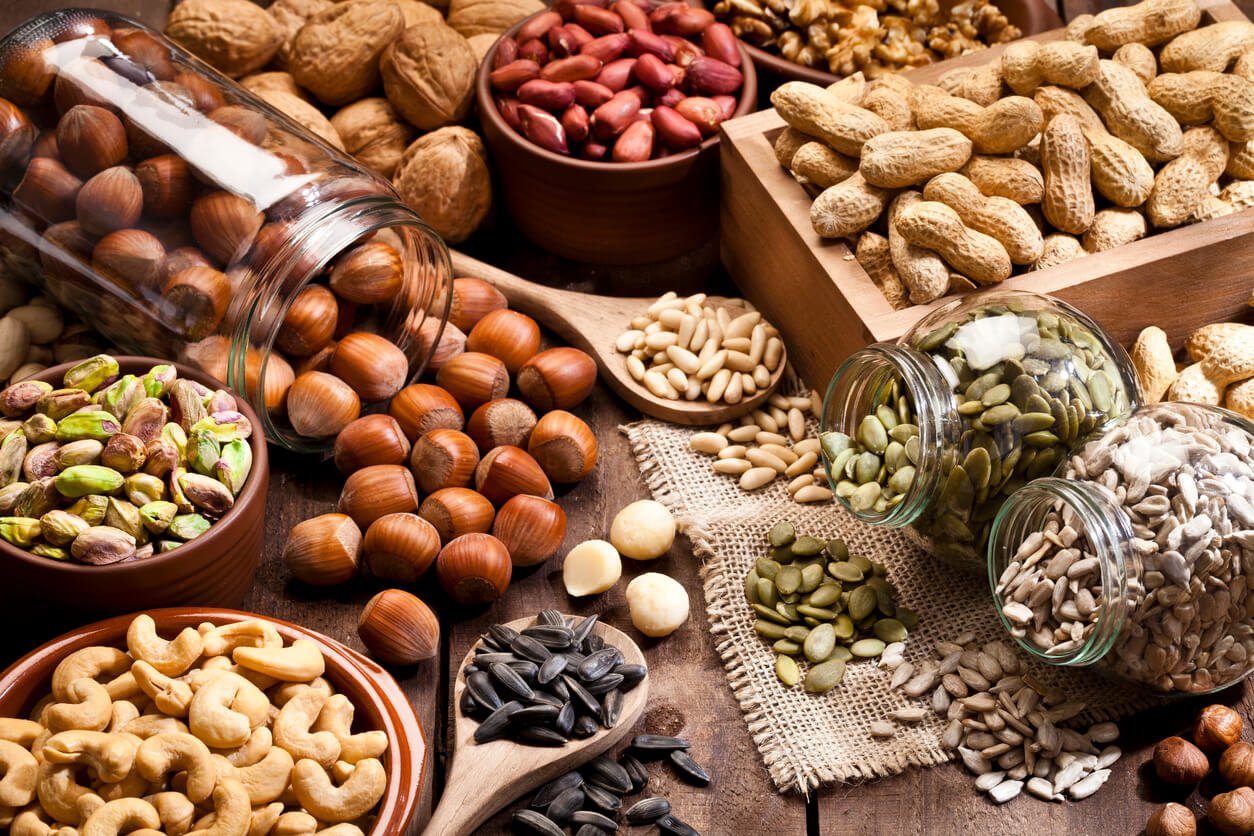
[(509, 735)]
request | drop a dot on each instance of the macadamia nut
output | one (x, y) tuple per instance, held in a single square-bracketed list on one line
[(658, 604), (644, 530), (591, 568)]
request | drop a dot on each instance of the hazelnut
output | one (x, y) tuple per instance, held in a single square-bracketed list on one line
[(451, 342), (503, 421), (81, 26), (46, 145), (422, 407), (26, 73), (278, 379), (132, 258), (309, 322), (378, 490), (323, 551), (398, 628), (90, 139), (373, 366), (564, 446), (48, 190), (224, 225), (319, 405), (109, 201), (146, 51), (166, 184), (67, 246), (531, 527), (559, 378), (179, 259), (443, 458), (368, 274), (194, 301), (474, 378), (457, 511), (17, 137), (473, 299), (1177, 761), (507, 471), (319, 362), (401, 547), (1217, 728), (1232, 812), (206, 96), (1236, 765), (511, 337), (474, 569), (69, 91), (371, 439), (1171, 820), (271, 250), (244, 122)]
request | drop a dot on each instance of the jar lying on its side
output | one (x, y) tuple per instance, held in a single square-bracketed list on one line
[(1136, 559), (983, 395), (184, 218)]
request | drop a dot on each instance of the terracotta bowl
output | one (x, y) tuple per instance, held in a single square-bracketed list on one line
[(215, 569), (380, 702), (1031, 16), (605, 212)]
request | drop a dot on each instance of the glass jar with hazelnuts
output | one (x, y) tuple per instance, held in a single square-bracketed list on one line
[(185, 218)]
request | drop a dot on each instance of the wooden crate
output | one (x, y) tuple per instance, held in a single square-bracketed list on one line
[(827, 307)]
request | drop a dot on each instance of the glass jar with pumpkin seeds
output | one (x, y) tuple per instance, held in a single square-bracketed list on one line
[(983, 395), (1136, 560)]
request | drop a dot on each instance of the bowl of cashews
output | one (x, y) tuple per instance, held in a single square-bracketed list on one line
[(205, 722)]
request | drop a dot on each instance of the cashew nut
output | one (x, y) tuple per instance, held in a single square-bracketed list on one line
[(154, 724), (222, 640), (253, 750), (123, 687), (147, 831), (264, 819), (341, 829), (21, 732), (164, 753), (337, 717), (169, 695), (60, 794), (226, 709), (110, 755), (232, 813), (87, 706), (176, 811), (121, 816), (280, 695), (30, 822), (354, 798), (292, 729), (170, 657), (299, 661), (123, 712), (132, 786), (19, 775), (88, 663), (295, 824), (265, 781)]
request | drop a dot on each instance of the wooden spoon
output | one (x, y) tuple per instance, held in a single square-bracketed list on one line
[(593, 323), (484, 777)]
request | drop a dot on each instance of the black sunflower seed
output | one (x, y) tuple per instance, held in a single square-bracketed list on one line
[(479, 686), (540, 736), (529, 821), (605, 684), (584, 629), (534, 715), (657, 744), (548, 699), (468, 706), (584, 726), (544, 797), (484, 659), (647, 811), (552, 666), (565, 805), (676, 827), (529, 648), (597, 665), (502, 634), (595, 819), (611, 708), (558, 689), (590, 830), (565, 722), (552, 637), (601, 770), (593, 643), (689, 769), (586, 703), (632, 675), (469, 669), (527, 669), (509, 678), (550, 616), (602, 798), (636, 771), (573, 659), (496, 723)]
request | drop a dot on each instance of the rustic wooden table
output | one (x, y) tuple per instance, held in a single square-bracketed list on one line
[(689, 693)]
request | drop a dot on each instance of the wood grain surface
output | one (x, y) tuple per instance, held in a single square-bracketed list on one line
[(689, 692)]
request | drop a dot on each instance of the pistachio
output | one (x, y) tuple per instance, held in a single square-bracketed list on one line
[(61, 402), (100, 545), (161, 457), (92, 373), (203, 450), (50, 551), (158, 380), (39, 429), (86, 451), (234, 465), (39, 498), (221, 401), (95, 424), (20, 531), (82, 479), (20, 398), (187, 405), (206, 493), (174, 481), (157, 516), (12, 455), (187, 527), (121, 396), (124, 516), (176, 435), (9, 496), (91, 508), (145, 419), (226, 425), (61, 527), (124, 453), (143, 488)]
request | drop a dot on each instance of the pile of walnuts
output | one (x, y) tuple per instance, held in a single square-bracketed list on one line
[(388, 81)]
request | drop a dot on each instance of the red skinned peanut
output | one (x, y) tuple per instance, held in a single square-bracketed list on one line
[(508, 106), (613, 116), (685, 50), (581, 35), (702, 112), (652, 73), (680, 19), (543, 128), (590, 94), (506, 51), (575, 122), (607, 47), (643, 41), (598, 21), (538, 26), (712, 76), (549, 95), (513, 75), (632, 15), (671, 97), (574, 68), (674, 130), (534, 51), (728, 105), (636, 143), (616, 75), (719, 42), (594, 151), (561, 43)]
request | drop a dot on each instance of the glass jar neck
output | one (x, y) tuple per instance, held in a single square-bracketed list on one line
[(1106, 532), (863, 383)]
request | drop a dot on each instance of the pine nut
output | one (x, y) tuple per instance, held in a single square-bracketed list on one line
[(627, 340), (764, 421), (780, 416), (816, 403), (747, 385), (698, 299), (683, 359), (780, 452), (773, 353), (813, 493), (742, 325), (659, 386), (738, 361), (760, 458), (800, 482), (635, 368), (677, 378), (693, 309), (669, 299), (747, 433), (716, 332), (732, 466), (687, 327), (707, 352), (804, 464), (757, 343), (724, 429), (765, 437), (654, 327), (737, 344), (732, 451), (724, 318), (796, 425), (761, 377), (661, 340), (799, 403), (712, 366), (809, 445), (710, 443), (660, 366), (756, 477), (700, 336), (718, 385), (780, 401), (639, 323), (735, 389), (694, 389)]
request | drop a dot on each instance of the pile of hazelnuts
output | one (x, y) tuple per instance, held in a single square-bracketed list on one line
[(456, 474), (1179, 762)]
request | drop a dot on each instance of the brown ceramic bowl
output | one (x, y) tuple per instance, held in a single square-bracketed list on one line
[(1031, 16), (215, 569), (380, 702), (606, 212)]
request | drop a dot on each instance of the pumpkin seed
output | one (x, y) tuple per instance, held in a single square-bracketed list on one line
[(867, 648), (786, 670), (781, 534), (825, 676), (820, 643), (788, 580)]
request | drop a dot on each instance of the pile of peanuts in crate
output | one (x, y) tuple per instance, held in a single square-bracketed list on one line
[(875, 38), (1137, 121), (35, 334), (1219, 371)]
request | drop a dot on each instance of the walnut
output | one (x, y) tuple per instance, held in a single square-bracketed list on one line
[(751, 31), (235, 36), (482, 43), (291, 15), (416, 12), (429, 76), (302, 113), (443, 176), (280, 81), (336, 54), (374, 133), (477, 17)]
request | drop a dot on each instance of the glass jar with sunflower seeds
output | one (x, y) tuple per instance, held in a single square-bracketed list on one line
[(936, 430), (1135, 561)]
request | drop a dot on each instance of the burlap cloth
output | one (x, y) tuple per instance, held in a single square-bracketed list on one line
[(806, 739)]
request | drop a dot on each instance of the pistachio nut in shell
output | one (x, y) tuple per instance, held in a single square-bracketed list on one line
[(61, 527), (226, 425), (162, 457), (146, 419), (95, 425), (9, 496), (50, 551), (188, 526), (100, 545), (143, 489), (20, 398), (61, 402), (83, 479), (124, 453), (20, 531), (12, 454), (234, 465), (157, 516), (40, 461), (203, 451), (206, 493), (39, 429), (92, 373), (158, 380), (91, 508), (86, 451), (124, 516), (39, 498), (121, 395)]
